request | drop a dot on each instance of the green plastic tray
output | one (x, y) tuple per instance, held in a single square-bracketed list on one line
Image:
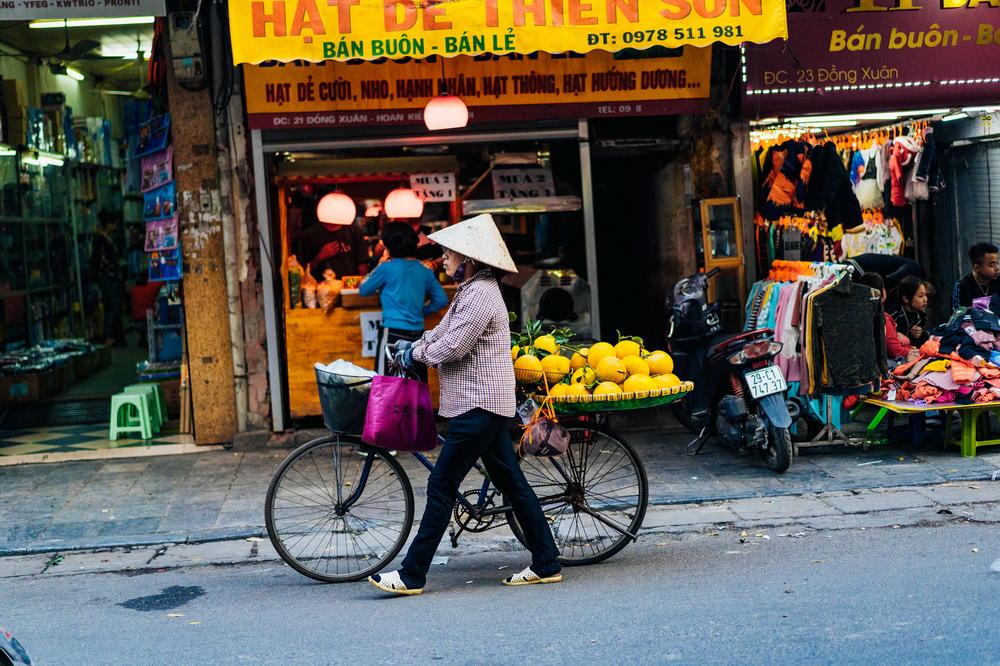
[(574, 404)]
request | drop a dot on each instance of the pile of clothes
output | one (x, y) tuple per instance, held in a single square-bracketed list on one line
[(960, 363)]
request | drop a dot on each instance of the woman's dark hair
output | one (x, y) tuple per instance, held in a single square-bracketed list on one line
[(908, 288), (498, 273), (399, 239), (873, 280)]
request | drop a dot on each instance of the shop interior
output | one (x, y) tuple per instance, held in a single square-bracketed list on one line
[(875, 189), (80, 318), (532, 188)]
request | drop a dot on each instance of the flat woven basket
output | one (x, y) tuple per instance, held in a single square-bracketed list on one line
[(584, 404)]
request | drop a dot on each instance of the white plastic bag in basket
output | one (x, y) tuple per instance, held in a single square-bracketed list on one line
[(346, 368)]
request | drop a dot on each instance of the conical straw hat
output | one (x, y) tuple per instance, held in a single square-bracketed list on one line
[(477, 238)]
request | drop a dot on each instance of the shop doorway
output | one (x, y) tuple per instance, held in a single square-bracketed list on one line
[(535, 184)]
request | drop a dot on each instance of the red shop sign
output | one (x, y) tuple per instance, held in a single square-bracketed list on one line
[(871, 55)]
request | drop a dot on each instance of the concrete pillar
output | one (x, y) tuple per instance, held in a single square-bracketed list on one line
[(199, 204)]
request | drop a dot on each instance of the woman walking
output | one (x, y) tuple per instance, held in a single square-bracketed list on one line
[(471, 349)]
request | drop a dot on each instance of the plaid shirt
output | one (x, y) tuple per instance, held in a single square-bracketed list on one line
[(471, 350)]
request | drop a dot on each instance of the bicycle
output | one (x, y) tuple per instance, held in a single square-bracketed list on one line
[(339, 510)]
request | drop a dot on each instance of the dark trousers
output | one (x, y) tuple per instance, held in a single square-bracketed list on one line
[(111, 294), (478, 434), (388, 336)]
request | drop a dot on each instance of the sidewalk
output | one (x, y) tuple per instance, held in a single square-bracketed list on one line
[(219, 495)]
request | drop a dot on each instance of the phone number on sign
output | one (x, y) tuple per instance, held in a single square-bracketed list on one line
[(662, 35)]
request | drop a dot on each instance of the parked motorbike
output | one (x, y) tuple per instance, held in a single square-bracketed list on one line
[(739, 394)]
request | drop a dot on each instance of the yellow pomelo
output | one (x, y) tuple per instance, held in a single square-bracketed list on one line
[(660, 363), (627, 348), (607, 388), (546, 343), (584, 376), (667, 380), (579, 358), (555, 367), (639, 383), (598, 352), (513, 352), (558, 390), (612, 369), (577, 389), (528, 369), (635, 365)]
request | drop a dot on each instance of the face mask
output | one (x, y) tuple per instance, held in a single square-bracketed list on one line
[(459, 273)]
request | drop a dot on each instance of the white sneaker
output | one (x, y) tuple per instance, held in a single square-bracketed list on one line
[(391, 582), (529, 577)]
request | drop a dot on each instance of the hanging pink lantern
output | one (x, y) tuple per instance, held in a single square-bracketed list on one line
[(446, 112), (336, 208), (403, 202)]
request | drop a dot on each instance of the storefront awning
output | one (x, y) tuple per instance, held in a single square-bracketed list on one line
[(343, 30)]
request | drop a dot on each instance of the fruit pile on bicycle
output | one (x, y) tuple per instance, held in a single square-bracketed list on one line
[(601, 371)]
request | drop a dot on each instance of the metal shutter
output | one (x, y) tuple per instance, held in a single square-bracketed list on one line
[(979, 208)]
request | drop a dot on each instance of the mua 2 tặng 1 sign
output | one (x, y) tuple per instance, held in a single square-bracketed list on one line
[(372, 29), (523, 184), (433, 187)]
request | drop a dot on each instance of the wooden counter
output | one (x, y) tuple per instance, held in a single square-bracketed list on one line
[(313, 336)]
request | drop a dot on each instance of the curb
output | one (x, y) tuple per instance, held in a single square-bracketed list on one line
[(235, 534)]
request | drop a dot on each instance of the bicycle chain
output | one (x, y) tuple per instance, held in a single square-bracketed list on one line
[(466, 522)]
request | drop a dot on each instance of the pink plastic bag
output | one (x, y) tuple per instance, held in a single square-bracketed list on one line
[(400, 415)]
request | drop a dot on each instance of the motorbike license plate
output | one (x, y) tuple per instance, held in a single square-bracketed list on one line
[(766, 381)]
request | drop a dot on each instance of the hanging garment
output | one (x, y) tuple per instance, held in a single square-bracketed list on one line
[(847, 336), (869, 189), (858, 165), (904, 148), (916, 189), (830, 189)]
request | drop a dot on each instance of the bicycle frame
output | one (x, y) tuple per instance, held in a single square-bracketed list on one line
[(478, 509)]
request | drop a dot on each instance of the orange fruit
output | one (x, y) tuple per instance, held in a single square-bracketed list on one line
[(555, 367), (607, 388), (627, 348), (577, 389), (660, 363), (579, 358), (598, 352), (635, 365), (667, 380), (612, 369), (528, 369), (546, 343), (639, 383)]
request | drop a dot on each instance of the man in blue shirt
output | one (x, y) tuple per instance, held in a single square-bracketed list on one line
[(407, 289)]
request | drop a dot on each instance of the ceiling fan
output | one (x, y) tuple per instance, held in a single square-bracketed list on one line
[(140, 60), (82, 50)]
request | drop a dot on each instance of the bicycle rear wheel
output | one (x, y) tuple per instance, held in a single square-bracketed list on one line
[(594, 495), (338, 510)]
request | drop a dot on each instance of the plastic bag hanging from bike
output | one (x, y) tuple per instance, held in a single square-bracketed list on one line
[(400, 416)]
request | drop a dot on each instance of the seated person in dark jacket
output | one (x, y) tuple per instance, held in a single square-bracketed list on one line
[(891, 267), (984, 280), (910, 311), (897, 345)]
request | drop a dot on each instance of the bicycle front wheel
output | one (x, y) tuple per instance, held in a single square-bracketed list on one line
[(338, 510), (594, 495)]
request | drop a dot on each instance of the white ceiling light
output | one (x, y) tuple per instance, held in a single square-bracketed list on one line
[(91, 22), (118, 51), (977, 109), (75, 74), (955, 116), (834, 123)]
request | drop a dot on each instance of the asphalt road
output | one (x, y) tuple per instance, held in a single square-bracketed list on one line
[(848, 596)]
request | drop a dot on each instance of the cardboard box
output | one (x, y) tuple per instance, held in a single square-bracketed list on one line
[(172, 396)]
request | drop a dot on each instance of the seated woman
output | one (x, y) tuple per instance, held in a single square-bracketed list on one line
[(897, 346)]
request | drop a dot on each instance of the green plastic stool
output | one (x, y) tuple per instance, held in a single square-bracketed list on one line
[(130, 413), (155, 393)]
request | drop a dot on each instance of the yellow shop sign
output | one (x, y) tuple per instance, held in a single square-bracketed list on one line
[(316, 30)]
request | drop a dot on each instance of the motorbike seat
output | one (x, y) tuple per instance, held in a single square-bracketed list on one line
[(728, 344)]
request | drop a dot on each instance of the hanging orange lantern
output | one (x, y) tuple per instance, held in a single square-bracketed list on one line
[(403, 202), (446, 112), (336, 208)]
